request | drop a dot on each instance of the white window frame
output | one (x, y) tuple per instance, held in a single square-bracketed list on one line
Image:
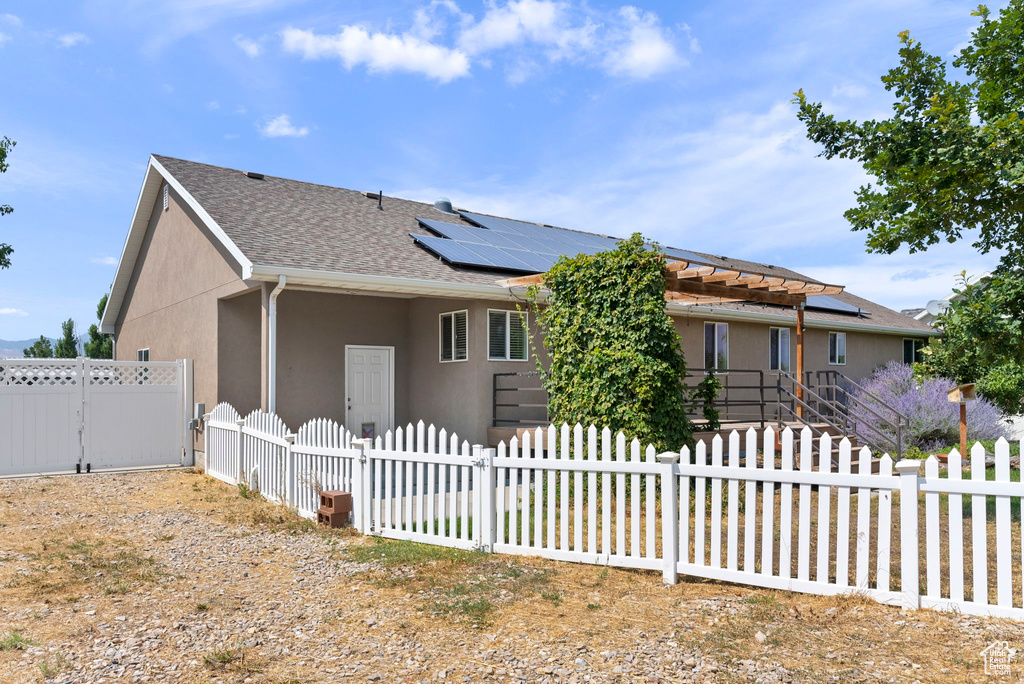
[(440, 336), (916, 341), (789, 341), (704, 338), (508, 334), (846, 349), (139, 353)]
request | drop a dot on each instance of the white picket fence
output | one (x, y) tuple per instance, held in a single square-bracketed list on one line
[(774, 520)]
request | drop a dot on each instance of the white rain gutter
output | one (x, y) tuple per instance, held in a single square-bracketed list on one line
[(272, 347)]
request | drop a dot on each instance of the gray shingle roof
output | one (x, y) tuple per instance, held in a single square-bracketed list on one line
[(294, 224)]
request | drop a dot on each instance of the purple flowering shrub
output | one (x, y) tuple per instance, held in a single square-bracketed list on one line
[(934, 421)]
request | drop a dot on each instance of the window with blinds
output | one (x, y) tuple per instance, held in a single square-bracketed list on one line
[(778, 349), (837, 348), (506, 336), (454, 336), (716, 347)]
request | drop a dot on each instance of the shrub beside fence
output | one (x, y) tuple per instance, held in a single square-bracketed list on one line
[(804, 519)]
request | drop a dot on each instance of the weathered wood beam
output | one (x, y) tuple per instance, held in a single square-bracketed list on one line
[(767, 282), (523, 281), (747, 295), (693, 272), (745, 280), (721, 276)]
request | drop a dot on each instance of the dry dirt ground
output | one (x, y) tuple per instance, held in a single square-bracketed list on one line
[(174, 577)]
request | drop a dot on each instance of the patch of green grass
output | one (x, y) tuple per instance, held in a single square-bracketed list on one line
[(14, 641), (52, 667), (593, 606), (393, 553), (221, 656), (462, 586), (246, 492), (554, 596), (108, 565), (202, 607)]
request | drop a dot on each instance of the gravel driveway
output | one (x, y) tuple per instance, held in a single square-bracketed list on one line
[(175, 577)]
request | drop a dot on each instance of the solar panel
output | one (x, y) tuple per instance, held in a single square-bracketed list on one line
[(479, 236), (487, 256), (684, 255), (829, 303)]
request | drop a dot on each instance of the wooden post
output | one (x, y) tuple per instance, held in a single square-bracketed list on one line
[(963, 428), (800, 359)]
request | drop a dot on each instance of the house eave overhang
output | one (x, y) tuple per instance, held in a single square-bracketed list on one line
[(350, 282), (721, 313), (371, 283), (156, 176)]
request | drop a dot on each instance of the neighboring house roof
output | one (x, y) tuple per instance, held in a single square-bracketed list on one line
[(323, 235)]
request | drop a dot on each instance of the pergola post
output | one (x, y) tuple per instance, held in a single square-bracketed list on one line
[(800, 359)]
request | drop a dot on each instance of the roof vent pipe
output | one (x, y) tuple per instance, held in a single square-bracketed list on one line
[(443, 204)]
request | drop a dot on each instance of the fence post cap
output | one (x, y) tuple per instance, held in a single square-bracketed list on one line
[(668, 457), (908, 465), (290, 438), (240, 421), (362, 441)]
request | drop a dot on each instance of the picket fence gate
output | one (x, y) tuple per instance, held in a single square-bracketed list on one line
[(817, 517)]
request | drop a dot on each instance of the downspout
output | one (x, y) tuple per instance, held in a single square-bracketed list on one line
[(272, 347)]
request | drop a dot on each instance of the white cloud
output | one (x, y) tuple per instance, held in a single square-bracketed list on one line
[(248, 46), (849, 90), (694, 43), (11, 20), (541, 22), (8, 311), (213, 105), (68, 40), (645, 49), (4, 38), (526, 33), (105, 261), (379, 52), (282, 126)]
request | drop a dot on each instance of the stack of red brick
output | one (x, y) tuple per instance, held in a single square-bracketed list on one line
[(335, 507)]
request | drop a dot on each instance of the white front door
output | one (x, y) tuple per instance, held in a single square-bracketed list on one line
[(369, 390)]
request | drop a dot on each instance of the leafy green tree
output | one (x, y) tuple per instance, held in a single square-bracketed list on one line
[(983, 339), (67, 345), (6, 145), (40, 349), (614, 356), (99, 346), (951, 157)]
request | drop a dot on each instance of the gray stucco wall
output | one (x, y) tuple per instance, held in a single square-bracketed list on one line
[(313, 329), (171, 306)]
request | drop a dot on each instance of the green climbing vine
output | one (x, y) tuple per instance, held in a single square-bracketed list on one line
[(614, 357), (706, 392)]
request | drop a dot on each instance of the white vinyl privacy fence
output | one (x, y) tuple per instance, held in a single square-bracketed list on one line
[(816, 517), (80, 414)]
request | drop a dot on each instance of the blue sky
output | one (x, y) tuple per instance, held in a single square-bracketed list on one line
[(668, 118)]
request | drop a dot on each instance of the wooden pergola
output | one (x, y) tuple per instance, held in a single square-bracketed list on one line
[(696, 283)]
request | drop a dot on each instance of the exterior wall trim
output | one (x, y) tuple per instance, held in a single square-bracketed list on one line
[(152, 186)]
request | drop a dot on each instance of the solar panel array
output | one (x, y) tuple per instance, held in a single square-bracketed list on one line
[(507, 245), (829, 303)]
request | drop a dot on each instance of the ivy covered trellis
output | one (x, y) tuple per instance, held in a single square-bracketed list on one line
[(614, 357)]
